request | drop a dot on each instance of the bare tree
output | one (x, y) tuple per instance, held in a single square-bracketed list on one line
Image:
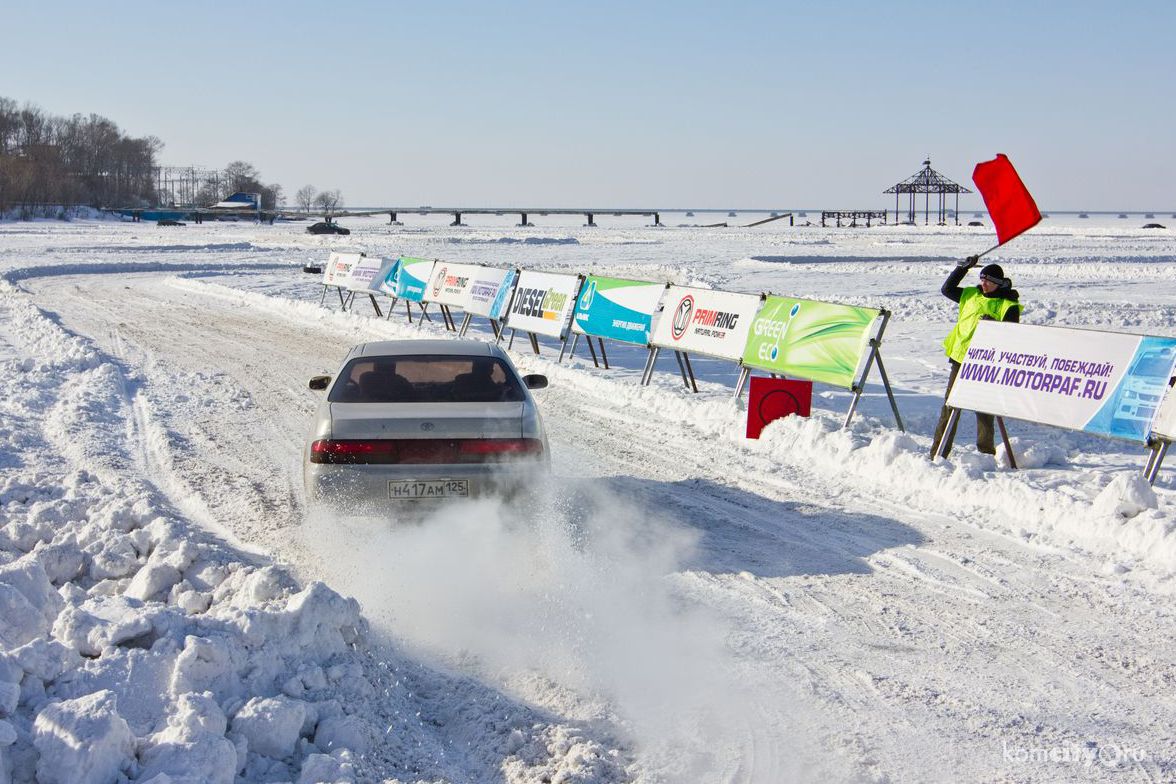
[(304, 199), (328, 201)]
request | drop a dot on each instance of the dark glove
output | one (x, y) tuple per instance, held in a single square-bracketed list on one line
[(969, 262)]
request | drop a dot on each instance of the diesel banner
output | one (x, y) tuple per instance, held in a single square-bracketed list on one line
[(450, 283), (702, 321), (489, 292), (617, 309), (818, 341), (543, 303), (412, 276), (1105, 383), (338, 270)]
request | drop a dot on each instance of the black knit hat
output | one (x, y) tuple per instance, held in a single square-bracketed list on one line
[(994, 273)]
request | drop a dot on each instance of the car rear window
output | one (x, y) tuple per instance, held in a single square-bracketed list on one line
[(426, 378)]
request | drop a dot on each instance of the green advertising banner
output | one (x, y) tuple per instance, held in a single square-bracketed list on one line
[(803, 338)]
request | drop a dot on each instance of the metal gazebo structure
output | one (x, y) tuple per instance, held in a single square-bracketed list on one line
[(927, 182)]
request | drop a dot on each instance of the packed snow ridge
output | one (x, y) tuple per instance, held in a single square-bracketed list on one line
[(134, 646)]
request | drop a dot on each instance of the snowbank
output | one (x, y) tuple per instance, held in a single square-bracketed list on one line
[(135, 646)]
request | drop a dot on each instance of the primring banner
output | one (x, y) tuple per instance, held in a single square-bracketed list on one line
[(702, 321), (412, 278), (543, 303), (617, 309), (338, 269), (450, 283), (1106, 383), (364, 273), (819, 341), (489, 292)]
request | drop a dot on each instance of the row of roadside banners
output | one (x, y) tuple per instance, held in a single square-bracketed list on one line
[(1105, 383), (807, 339)]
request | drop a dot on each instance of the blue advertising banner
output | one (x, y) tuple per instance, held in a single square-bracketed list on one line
[(387, 282), (617, 309), (412, 277), (502, 296)]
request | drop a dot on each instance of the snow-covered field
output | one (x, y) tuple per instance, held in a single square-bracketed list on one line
[(682, 605)]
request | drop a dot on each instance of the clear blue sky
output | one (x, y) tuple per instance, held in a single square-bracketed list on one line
[(771, 104)]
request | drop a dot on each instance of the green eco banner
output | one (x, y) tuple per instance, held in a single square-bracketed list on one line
[(802, 338)]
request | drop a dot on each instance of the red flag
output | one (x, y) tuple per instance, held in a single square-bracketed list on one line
[(1006, 197)]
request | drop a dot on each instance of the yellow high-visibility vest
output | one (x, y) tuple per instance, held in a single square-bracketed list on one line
[(973, 307)]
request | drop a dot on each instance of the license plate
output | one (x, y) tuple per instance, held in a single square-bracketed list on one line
[(435, 488)]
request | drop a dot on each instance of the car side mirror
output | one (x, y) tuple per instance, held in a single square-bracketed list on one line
[(319, 382), (535, 381)]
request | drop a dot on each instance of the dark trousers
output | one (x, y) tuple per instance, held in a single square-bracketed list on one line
[(985, 440)]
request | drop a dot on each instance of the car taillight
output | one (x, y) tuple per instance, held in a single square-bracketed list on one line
[(351, 451), (411, 451), (485, 450)]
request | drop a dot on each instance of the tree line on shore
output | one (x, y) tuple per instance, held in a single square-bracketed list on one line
[(48, 163)]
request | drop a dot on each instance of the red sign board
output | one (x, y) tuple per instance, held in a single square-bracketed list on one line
[(772, 398)]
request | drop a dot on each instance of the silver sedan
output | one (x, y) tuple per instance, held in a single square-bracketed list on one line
[(417, 420)]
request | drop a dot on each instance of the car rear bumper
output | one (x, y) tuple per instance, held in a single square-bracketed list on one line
[(367, 487)]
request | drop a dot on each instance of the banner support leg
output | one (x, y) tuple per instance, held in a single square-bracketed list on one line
[(603, 355), (645, 371), (689, 372), (408, 310), (1004, 436), (465, 325), (857, 395), (565, 347), (648, 377), (889, 391), (534, 342), (592, 349), (323, 298), (681, 368), (940, 446), (744, 374), (375, 305), (1158, 455), (342, 302), (510, 344), (497, 330)]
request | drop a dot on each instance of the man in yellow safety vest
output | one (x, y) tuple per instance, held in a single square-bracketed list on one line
[(994, 299)]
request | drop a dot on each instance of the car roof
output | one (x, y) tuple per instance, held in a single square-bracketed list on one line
[(385, 348)]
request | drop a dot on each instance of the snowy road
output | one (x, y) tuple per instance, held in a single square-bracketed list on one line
[(773, 617)]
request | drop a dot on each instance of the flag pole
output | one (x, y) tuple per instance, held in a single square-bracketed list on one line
[(990, 250)]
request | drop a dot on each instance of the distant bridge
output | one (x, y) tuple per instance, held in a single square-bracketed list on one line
[(590, 213)]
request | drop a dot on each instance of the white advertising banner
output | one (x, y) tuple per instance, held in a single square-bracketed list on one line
[(702, 321), (338, 270), (450, 283), (1106, 383), (490, 292), (543, 303), (364, 272), (1165, 422)]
